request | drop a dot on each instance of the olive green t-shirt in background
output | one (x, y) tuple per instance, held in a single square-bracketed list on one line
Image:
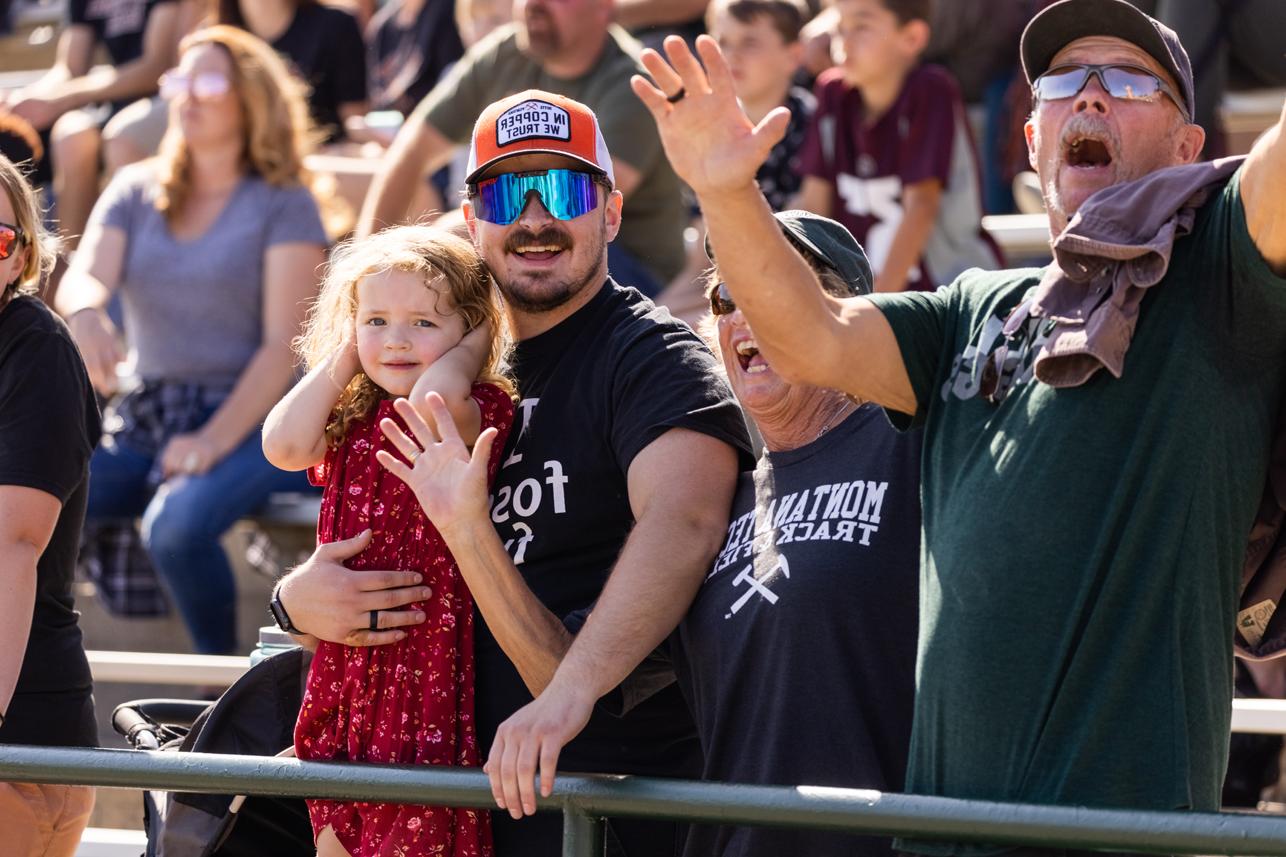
[(654, 214), (1083, 546)]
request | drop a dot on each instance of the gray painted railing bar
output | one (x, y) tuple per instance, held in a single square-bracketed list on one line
[(582, 833), (850, 810)]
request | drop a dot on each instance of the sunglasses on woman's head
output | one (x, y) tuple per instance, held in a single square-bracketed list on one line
[(1123, 82), (10, 240), (204, 86), (566, 194), (721, 302)]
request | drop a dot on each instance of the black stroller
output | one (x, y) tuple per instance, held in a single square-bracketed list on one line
[(255, 717)]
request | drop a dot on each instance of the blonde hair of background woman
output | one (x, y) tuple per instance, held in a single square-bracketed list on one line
[(449, 265), (279, 133), (40, 245)]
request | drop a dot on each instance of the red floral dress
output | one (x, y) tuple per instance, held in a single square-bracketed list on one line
[(409, 702)]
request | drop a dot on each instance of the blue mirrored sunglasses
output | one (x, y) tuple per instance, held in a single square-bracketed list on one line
[(566, 194)]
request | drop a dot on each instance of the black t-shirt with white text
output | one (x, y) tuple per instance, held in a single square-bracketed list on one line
[(49, 426), (797, 656), (596, 389)]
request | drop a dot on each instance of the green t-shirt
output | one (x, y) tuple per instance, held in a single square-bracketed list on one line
[(654, 215), (1082, 546)]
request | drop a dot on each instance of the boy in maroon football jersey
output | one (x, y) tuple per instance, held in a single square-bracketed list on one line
[(889, 153)]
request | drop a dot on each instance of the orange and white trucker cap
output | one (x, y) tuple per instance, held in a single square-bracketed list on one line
[(537, 122)]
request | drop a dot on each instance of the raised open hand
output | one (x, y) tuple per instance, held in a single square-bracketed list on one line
[(708, 138), (449, 482)]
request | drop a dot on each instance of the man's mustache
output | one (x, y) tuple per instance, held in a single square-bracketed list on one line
[(548, 237)]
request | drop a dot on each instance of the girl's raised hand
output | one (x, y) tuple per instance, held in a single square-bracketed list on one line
[(449, 482)]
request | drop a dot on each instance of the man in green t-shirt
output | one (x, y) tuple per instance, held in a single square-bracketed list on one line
[(570, 48), (1082, 544)]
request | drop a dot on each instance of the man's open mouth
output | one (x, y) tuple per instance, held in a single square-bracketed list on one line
[(1087, 152)]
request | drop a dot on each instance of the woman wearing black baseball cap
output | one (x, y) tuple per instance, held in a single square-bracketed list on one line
[(805, 626)]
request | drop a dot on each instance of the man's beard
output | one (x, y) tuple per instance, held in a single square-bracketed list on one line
[(1056, 202), (546, 295), (1125, 169), (544, 42)]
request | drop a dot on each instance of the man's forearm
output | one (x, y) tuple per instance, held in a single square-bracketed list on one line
[(656, 577), (532, 637), (47, 84), (1263, 194), (133, 80), (632, 14), (389, 197), (419, 150)]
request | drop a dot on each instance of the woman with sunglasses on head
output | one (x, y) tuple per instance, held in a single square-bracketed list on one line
[(213, 248), (49, 426), (806, 624)]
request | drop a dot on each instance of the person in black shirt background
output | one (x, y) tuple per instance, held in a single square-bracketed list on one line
[(323, 45), (408, 45), (71, 102), (49, 425)]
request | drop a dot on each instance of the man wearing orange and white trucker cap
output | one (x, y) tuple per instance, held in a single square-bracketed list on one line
[(538, 122), (622, 410), (622, 463), (568, 47)]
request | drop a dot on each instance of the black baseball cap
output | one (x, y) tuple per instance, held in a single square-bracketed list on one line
[(1062, 23), (830, 242)]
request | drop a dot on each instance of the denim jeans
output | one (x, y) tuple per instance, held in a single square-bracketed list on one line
[(183, 522)]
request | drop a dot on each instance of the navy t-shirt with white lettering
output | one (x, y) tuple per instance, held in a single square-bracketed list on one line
[(596, 390), (798, 655)]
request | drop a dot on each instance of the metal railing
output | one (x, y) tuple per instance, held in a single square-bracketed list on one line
[(585, 800), (165, 668)]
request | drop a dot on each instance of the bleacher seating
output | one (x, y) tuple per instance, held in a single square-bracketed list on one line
[(1248, 113)]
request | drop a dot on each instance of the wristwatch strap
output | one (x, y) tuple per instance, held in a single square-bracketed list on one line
[(279, 614)]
